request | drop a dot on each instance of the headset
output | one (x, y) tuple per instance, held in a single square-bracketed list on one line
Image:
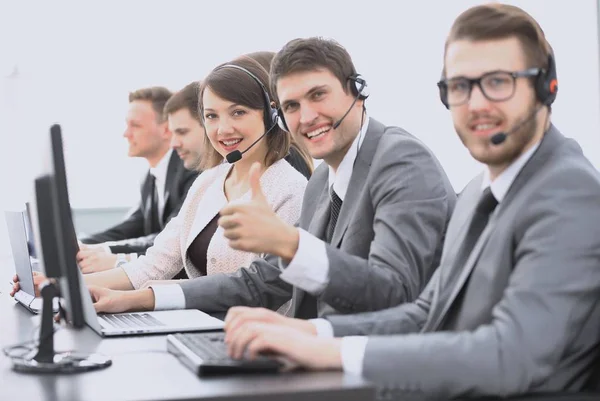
[(359, 89), (270, 117), (270, 113), (545, 84)]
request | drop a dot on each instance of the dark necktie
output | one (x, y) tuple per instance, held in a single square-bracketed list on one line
[(154, 220), (309, 307), (486, 205), (336, 206)]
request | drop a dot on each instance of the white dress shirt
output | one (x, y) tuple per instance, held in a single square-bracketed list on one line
[(309, 269), (353, 347), (160, 175)]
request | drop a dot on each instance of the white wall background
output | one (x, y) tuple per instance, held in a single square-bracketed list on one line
[(74, 63)]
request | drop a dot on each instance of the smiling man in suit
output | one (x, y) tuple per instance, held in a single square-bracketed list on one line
[(374, 214), (162, 191), (514, 306)]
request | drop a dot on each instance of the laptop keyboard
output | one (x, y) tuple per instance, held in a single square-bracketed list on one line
[(129, 320), (211, 350)]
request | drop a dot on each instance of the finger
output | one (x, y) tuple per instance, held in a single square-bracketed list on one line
[(228, 210), (228, 222), (259, 345), (254, 177), (248, 316), (15, 289), (232, 234), (15, 278), (240, 339), (238, 245), (233, 312)]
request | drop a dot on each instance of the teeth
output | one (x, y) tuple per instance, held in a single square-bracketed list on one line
[(317, 132), (231, 142), (484, 126)]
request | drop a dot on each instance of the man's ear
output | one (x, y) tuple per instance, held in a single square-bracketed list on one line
[(165, 133)]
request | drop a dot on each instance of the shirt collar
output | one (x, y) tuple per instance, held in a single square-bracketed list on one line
[(502, 183), (341, 179), (160, 171)]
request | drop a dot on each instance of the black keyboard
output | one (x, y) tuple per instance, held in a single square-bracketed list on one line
[(206, 354)]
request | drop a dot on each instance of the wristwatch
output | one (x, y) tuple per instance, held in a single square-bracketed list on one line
[(121, 260)]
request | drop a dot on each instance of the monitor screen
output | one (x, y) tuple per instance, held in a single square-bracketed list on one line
[(55, 237)]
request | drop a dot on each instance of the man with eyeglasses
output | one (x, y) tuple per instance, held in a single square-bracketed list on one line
[(513, 307)]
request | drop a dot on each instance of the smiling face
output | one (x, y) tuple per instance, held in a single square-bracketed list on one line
[(312, 102), (477, 120), (230, 126)]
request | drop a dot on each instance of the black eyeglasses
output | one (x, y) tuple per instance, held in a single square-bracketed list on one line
[(496, 86)]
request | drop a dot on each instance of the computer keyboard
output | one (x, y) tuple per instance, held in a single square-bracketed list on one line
[(206, 354), (126, 320)]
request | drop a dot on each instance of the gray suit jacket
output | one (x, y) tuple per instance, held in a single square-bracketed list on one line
[(386, 243), (524, 315)]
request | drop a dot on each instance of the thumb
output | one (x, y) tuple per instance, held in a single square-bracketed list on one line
[(254, 177)]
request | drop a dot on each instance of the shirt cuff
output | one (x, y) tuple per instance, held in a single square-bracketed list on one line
[(353, 354), (168, 297), (323, 327), (106, 247), (309, 269)]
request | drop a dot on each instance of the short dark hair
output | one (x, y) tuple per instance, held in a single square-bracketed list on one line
[(238, 87), (264, 58), (186, 98), (310, 54), (157, 95), (501, 21)]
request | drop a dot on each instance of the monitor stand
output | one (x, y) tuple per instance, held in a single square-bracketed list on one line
[(45, 359)]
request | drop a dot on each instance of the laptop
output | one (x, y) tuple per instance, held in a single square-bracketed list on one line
[(23, 253), (136, 323)]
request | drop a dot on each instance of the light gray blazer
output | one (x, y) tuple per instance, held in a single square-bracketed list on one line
[(386, 243), (525, 313)]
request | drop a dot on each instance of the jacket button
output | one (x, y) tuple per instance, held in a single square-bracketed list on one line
[(213, 260)]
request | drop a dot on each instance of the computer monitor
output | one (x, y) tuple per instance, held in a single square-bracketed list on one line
[(65, 231), (55, 235), (57, 247)]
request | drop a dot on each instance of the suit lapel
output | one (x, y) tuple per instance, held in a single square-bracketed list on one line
[(465, 272), (549, 142), (360, 172), (316, 227), (213, 200), (320, 218), (456, 235)]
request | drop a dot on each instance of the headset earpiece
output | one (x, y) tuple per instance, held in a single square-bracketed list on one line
[(360, 87), (281, 121), (443, 89), (546, 84)]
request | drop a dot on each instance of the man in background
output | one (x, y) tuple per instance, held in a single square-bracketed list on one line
[(162, 191)]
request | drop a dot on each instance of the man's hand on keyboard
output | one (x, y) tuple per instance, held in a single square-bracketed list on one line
[(38, 278), (254, 338), (240, 315)]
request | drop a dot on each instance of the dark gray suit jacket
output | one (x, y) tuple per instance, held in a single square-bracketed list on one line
[(134, 234), (386, 243), (524, 315)]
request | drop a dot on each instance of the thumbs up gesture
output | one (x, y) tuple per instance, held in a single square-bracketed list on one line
[(252, 226)]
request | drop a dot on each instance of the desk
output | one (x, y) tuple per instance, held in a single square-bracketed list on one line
[(143, 370)]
